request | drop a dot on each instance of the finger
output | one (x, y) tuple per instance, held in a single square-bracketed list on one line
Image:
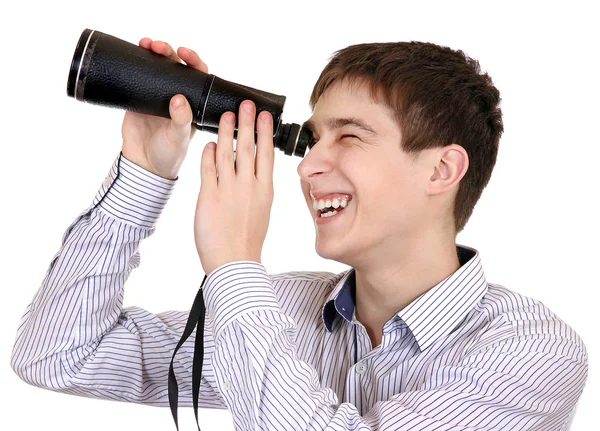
[(208, 169), (265, 150), (146, 43), (165, 49), (179, 128), (224, 155), (245, 140), (192, 59)]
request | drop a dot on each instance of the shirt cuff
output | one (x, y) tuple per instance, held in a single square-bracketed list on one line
[(237, 288), (133, 194)]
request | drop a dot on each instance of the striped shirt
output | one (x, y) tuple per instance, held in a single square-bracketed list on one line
[(284, 351)]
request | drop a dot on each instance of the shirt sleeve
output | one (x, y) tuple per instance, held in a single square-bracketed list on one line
[(75, 337), (512, 382)]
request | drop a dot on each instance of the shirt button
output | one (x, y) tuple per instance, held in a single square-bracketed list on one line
[(361, 368), (107, 182), (211, 315), (227, 385)]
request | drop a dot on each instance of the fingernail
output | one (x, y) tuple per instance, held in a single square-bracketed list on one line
[(265, 117), (248, 107), (178, 103), (230, 117)]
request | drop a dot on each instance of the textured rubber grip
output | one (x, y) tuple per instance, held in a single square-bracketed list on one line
[(116, 73)]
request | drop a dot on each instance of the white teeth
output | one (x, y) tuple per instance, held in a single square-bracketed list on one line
[(329, 214), (335, 203)]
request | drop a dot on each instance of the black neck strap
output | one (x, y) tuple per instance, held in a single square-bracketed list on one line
[(196, 318)]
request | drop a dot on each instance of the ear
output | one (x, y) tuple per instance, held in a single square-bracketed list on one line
[(450, 164)]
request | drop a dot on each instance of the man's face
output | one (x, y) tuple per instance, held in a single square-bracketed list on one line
[(358, 158)]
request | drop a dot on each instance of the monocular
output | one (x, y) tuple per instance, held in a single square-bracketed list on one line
[(111, 72)]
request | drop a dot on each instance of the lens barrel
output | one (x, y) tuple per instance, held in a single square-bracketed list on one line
[(111, 72)]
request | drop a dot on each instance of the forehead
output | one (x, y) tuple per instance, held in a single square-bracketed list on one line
[(342, 101)]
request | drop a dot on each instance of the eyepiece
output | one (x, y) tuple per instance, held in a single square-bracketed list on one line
[(292, 139)]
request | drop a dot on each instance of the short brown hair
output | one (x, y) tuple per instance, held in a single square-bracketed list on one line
[(439, 97)]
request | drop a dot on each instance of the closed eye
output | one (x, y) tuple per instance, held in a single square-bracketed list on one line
[(313, 142)]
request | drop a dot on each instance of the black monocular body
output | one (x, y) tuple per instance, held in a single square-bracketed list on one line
[(112, 72)]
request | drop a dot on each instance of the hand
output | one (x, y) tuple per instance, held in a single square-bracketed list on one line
[(234, 204), (160, 145)]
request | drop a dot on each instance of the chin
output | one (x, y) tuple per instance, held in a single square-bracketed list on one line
[(335, 252)]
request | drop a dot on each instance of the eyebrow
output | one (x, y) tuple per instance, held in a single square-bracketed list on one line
[(333, 123)]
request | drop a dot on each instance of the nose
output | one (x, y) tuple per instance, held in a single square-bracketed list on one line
[(318, 160)]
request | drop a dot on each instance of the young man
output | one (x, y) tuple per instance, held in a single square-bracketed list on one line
[(413, 337)]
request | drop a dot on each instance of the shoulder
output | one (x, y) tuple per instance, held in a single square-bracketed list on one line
[(320, 280), (519, 323), (303, 293)]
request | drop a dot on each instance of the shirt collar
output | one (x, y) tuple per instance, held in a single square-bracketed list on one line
[(432, 315), (340, 300)]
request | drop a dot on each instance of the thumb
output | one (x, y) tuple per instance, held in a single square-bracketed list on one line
[(179, 128)]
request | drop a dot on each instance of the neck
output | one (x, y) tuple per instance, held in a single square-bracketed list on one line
[(393, 278)]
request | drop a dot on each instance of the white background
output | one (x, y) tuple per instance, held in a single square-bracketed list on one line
[(536, 225)]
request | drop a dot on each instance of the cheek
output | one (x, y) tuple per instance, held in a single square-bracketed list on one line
[(305, 187), (392, 198)]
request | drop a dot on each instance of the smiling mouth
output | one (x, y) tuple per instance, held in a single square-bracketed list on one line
[(329, 212), (332, 206)]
